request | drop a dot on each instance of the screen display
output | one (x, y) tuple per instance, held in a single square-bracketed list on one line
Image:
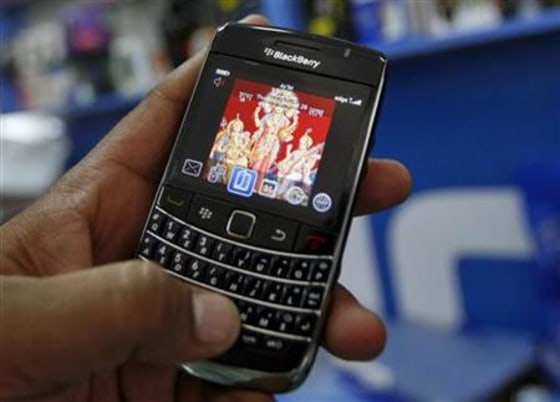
[(273, 139), (270, 142)]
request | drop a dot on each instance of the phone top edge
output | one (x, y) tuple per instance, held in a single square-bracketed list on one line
[(301, 51)]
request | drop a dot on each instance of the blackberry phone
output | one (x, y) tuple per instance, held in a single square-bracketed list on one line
[(256, 199)]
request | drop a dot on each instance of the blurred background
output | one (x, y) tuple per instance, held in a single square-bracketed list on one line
[(466, 273)]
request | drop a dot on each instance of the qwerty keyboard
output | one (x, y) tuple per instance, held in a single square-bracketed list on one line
[(278, 294)]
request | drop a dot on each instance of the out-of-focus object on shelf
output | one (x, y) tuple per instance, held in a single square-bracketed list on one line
[(536, 393), (86, 125), (131, 66), (34, 148), (518, 27), (188, 26), (367, 18), (329, 18), (39, 55)]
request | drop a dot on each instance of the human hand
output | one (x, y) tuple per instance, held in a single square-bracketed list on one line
[(116, 332)]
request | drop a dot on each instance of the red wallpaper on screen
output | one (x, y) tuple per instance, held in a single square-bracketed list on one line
[(246, 107)]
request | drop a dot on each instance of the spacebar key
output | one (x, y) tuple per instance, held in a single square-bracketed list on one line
[(257, 351)]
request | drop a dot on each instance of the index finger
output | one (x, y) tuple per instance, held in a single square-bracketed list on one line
[(387, 183)]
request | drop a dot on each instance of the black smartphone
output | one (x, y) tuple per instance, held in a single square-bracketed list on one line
[(256, 200)]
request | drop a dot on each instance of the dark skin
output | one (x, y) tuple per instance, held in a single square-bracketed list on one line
[(78, 324)]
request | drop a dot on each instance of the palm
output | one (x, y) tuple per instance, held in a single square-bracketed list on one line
[(77, 244)]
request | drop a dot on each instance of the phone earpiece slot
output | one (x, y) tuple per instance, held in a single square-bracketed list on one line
[(295, 46)]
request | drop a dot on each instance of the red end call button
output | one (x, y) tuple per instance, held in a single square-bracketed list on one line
[(314, 241)]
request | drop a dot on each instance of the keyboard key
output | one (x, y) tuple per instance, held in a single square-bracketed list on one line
[(187, 238), (170, 230), (304, 324), (204, 245), (313, 297), (275, 344), (294, 295), (301, 270), (222, 252), (251, 339), (234, 282), (265, 317), (156, 221), (281, 267), (246, 312), (147, 245), (320, 271), (179, 262), (196, 270), (216, 277), (253, 287), (162, 254), (273, 292), (241, 258), (285, 321), (261, 263), (259, 352)]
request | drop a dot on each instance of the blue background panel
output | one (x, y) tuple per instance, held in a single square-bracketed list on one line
[(471, 116)]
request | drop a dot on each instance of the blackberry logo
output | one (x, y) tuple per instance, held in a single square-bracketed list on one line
[(291, 58)]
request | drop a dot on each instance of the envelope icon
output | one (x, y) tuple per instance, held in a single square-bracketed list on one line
[(192, 167)]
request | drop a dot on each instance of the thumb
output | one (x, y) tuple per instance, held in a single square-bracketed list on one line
[(63, 328)]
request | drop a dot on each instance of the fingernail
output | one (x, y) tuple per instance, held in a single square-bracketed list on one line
[(216, 319)]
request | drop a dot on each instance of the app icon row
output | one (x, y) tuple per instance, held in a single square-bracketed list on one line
[(243, 182)]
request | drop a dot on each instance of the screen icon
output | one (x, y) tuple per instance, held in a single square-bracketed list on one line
[(192, 167), (322, 202), (219, 82), (242, 181), (268, 188), (217, 174), (295, 195), (223, 72)]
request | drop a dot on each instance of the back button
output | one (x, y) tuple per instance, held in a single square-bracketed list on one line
[(275, 233)]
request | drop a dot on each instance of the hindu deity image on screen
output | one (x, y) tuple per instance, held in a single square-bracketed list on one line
[(276, 134)]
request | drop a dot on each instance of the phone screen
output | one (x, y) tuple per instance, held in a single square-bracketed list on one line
[(270, 142), (272, 138)]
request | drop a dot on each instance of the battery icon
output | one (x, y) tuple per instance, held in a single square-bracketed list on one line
[(222, 72)]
